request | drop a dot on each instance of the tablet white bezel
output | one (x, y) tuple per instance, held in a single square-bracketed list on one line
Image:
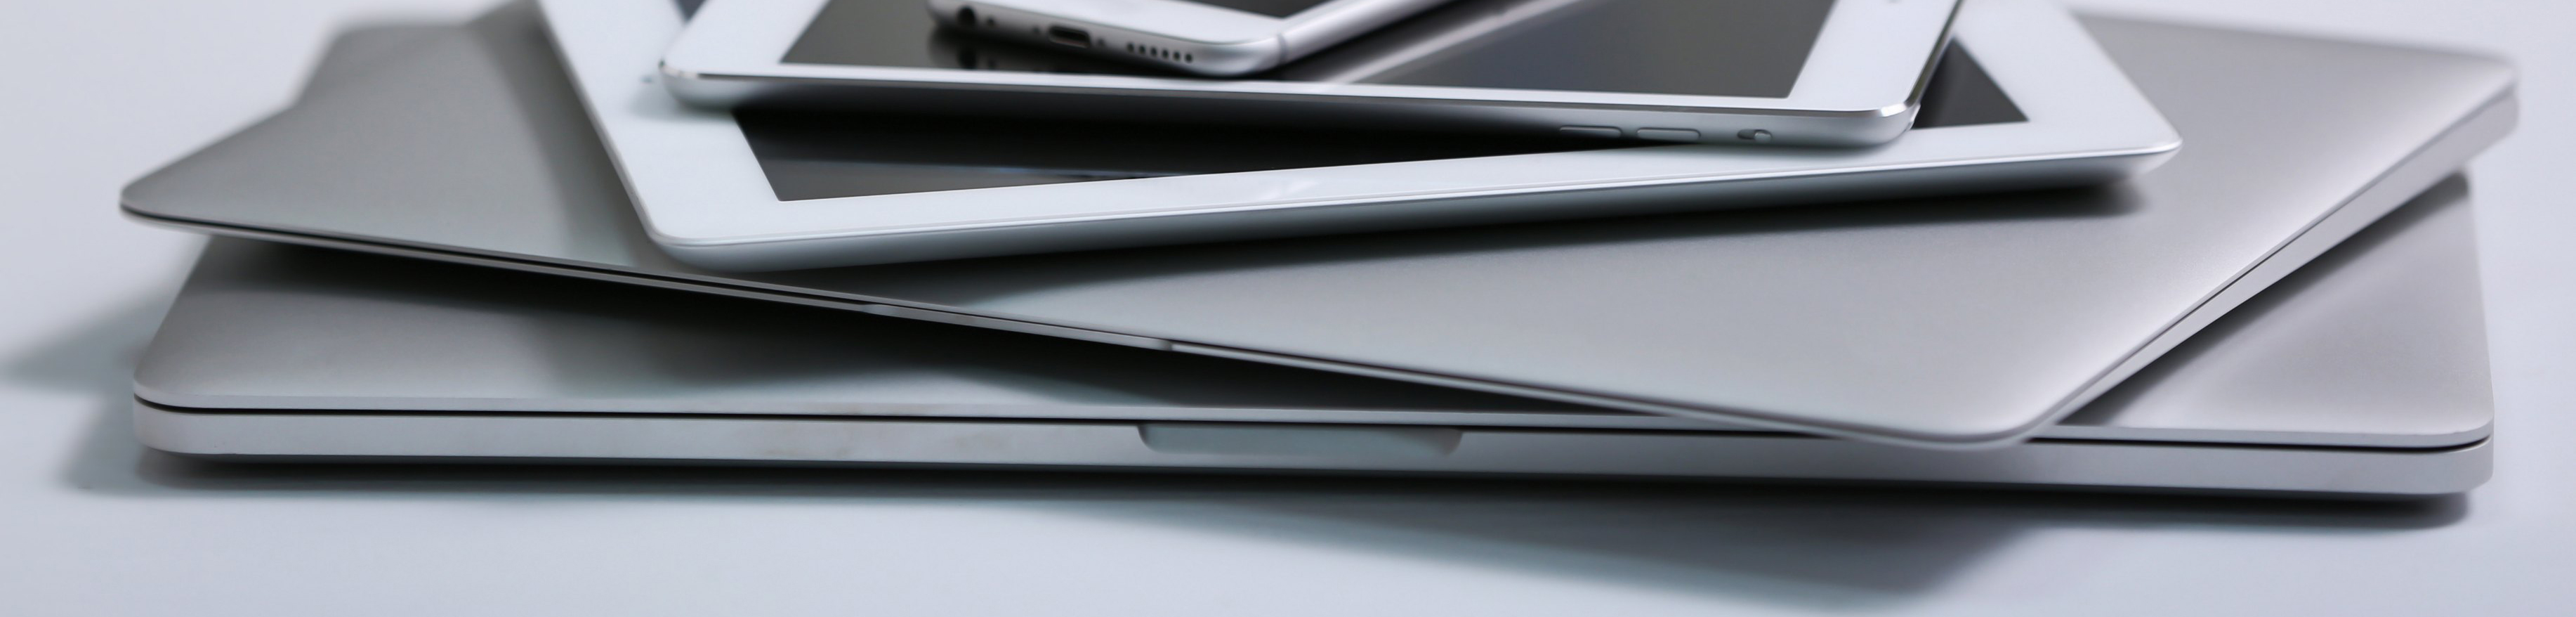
[(699, 187), (747, 40)]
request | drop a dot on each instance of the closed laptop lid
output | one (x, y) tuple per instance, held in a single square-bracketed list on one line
[(2379, 343), (1944, 321)]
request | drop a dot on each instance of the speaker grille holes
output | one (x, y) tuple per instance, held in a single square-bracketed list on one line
[(1159, 53)]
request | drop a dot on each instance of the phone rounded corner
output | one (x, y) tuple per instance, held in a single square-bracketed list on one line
[(1887, 123), (698, 89), (1883, 107), (675, 72), (1241, 58), (1865, 127), (1902, 110)]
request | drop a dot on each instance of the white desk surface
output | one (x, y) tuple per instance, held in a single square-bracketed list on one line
[(100, 91)]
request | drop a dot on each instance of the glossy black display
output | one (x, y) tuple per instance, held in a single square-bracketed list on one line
[(817, 155)]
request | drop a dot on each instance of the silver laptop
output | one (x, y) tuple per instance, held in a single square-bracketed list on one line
[(2362, 374), (1961, 321)]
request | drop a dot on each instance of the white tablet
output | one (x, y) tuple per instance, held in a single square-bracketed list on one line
[(2024, 100)]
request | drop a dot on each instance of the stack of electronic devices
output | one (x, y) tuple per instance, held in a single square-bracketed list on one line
[(1998, 244)]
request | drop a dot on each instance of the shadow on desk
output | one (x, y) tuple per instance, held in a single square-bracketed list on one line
[(1827, 547)]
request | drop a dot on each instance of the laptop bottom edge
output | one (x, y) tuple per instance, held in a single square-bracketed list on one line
[(1220, 447)]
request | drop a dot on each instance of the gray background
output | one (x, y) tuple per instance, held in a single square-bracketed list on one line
[(102, 91)]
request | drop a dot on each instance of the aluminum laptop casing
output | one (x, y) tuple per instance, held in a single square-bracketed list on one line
[(1948, 322), (2362, 374)]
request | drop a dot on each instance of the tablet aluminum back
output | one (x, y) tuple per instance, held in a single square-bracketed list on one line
[(2362, 373), (1963, 321)]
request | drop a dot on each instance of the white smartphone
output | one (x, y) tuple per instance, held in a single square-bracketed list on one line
[(1207, 37), (1803, 72)]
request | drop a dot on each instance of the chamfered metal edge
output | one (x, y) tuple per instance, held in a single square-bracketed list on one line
[(2335, 472)]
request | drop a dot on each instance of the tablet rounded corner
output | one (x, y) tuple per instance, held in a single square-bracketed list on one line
[(710, 253), (2145, 158)]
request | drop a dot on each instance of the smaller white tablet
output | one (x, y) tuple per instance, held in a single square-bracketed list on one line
[(1793, 72), (2024, 100)]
